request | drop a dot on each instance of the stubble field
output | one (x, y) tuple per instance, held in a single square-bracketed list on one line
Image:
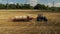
[(31, 27)]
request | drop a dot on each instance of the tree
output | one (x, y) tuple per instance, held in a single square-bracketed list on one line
[(18, 6), (26, 6), (11, 6), (38, 6), (2, 6), (41, 7)]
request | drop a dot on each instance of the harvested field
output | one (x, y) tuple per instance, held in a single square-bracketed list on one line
[(32, 27)]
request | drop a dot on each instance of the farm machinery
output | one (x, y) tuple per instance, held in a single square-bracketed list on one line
[(21, 18), (40, 17)]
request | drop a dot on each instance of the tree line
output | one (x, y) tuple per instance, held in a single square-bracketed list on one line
[(27, 6)]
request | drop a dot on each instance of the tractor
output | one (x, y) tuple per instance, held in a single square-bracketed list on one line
[(41, 17)]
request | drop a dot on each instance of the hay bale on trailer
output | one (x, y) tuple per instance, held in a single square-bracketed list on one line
[(21, 18)]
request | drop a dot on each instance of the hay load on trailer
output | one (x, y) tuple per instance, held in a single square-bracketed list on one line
[(21, 18)]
